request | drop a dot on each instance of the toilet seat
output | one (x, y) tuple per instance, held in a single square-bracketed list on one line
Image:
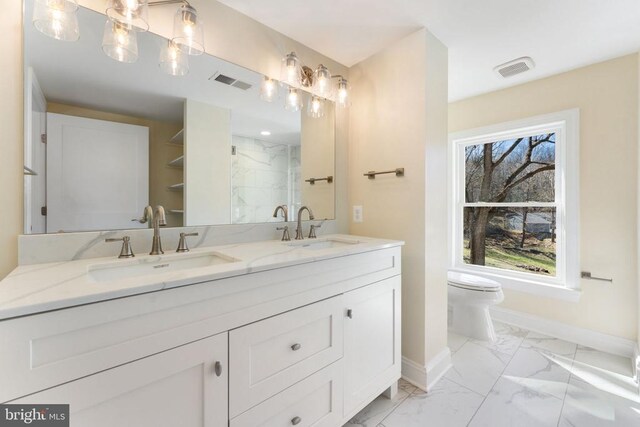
[(472, 283)]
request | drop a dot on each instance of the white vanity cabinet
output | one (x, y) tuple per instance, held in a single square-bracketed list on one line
[(185, 386), (302, 345), (371, 342)]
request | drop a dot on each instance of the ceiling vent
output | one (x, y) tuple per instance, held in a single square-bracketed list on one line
[(514, 67), (230, 81)]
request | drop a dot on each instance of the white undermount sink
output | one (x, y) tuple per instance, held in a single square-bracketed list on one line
[(160, 264), (324, 243)]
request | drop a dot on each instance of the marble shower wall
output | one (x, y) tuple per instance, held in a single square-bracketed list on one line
[(264, 175)]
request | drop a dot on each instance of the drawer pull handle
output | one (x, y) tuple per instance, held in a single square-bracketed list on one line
[(296, 420), (217, 368), (296, 347), (350, 314)]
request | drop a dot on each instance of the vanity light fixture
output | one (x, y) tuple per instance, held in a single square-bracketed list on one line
[(120, 42), (318, 82), (133, 14), (127, 16), (315, 108), (294, 100), (57, 19), (173, 60)]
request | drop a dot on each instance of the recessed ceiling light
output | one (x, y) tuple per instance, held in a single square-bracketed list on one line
[(265, 133)]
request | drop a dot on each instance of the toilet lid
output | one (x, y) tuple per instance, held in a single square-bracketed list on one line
[(469, 281)]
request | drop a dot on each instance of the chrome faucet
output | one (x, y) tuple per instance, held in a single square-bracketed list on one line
[(159, 220), (299, 233), (147, 216), (285, 214)]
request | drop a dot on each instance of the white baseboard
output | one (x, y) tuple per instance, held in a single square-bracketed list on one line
[(437, 367), (425, 377), (635, 361), (553, 328), (414, 373)]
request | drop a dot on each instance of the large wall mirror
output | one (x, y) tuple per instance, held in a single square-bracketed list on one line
[(104, 139)]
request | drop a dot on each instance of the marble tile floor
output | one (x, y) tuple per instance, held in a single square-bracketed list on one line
[(523, 379)]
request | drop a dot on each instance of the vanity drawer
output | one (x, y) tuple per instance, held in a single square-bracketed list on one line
[(270, 355), (315, 401)]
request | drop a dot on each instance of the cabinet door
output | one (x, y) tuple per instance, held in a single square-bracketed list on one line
[(371, 341), (186, 386)]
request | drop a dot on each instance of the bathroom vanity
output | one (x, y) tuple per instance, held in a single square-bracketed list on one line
[(266, 333)]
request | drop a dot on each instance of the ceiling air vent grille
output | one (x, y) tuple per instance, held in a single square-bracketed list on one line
[(230, 81), (514, 67)]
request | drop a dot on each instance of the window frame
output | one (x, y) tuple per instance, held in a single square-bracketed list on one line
[(565, 124)]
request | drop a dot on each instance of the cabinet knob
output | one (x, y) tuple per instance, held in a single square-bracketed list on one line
[(296, 347), (217, 368), (350, 314), (296, 420)]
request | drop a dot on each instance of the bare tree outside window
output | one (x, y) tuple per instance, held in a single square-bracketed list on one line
[(509, 213)]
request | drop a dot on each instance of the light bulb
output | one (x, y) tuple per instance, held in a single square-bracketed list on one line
[(343, 93), (316, 107), (173, 60), (188, 33), (269, 89), (322, 81), (291, 69), (294, 102), (120, 42), (133, 14), (57, 19)]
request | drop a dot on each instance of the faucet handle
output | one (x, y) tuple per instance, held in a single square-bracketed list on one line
[(285, 233), (182, 244), (125, 251), (312, 231)]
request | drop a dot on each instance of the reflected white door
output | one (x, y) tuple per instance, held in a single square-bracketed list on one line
[(97, 174), (34, 155)]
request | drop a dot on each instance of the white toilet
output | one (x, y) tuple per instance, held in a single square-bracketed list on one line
[(469, 300)]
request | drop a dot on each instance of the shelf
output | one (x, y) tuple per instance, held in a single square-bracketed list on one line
[(176, 211), (177, 162), (176, 187), (178, 138), (29, 171)]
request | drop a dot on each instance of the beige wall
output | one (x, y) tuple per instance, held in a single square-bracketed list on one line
[(607, 96), (396, 121), (160, 153), (11, 118), (317, 150), (229, 35)]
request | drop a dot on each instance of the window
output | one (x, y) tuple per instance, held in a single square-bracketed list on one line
[(514, 202)]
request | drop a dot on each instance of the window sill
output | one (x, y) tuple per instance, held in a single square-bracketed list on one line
[(529, 286)]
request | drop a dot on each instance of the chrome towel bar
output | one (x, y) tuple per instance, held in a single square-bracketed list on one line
[(312, 181), (372, 174), (587, 275)]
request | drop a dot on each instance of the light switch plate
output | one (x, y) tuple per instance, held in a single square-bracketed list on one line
[(357, 214)]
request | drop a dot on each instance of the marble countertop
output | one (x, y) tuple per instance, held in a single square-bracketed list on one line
[(36, 288)]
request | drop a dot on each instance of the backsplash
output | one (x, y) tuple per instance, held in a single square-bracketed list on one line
[(42, 248)]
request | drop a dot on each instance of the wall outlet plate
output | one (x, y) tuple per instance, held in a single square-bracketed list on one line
[(357, 214)]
